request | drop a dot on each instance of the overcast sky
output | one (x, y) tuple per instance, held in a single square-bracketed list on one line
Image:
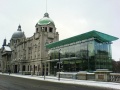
[(71, 17)]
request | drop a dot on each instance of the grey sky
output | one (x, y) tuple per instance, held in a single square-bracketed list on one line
[(71, 17)]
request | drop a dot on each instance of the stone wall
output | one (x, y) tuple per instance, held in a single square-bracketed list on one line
[(99, 75)]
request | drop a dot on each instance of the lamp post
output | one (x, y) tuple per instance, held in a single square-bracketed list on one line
[(18, 65), (59, 66), (88, 56), (44, 70)]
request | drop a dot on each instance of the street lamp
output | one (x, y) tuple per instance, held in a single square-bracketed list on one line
[(44, 70), (59, 66), (88, 56)]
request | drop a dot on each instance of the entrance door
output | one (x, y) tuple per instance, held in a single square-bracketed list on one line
[(15, 68), (34, 70)]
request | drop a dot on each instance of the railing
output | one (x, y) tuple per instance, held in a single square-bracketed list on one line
[(90, 76), (76, 75), (25, 72), (115, 77), (110, 77), (69, 75)]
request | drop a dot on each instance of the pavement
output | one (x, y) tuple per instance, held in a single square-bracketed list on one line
[(111, 85)]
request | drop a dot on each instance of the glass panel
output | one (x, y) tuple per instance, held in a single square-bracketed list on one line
[(66, 51), (77, 50), (90, 55), (91, 48), (102, 55), (72, 51)]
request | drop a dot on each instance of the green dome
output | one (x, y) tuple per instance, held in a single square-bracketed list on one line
[(45, 20)]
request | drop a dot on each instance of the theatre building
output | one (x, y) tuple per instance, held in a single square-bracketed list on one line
[(26, 55), (44, 54), (85, 52)]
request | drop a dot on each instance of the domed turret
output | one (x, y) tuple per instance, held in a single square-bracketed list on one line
[(45, 20), (18, 33)]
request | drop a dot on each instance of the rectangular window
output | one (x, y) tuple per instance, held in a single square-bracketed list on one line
[(45, 29), (50, 29), (36, 30)]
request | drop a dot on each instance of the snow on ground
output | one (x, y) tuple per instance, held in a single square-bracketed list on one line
[(112, 85)]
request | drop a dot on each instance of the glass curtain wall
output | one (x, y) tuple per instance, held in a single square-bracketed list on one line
[(82, 56), (103, 55)]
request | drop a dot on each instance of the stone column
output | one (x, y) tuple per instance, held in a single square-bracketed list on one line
[(48, 68), (82, 75), (102, 75)]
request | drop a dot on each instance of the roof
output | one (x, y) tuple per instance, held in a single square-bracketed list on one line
[(92, 34), (7, 48), (45, 20), (18, 34)]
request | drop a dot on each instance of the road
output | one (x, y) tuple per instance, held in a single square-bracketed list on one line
[(16, 83)]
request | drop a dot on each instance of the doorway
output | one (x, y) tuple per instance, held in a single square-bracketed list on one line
[(15, 68)]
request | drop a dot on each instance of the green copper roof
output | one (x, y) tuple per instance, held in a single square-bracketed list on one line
[(92, 34), (45, 20)]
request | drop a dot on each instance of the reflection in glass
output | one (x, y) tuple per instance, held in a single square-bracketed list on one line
[(83, 56)]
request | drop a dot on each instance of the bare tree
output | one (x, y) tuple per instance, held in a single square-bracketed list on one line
[(116, 66)]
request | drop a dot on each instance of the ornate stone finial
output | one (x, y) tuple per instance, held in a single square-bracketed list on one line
[(4, 42), (46, 15), (19, 28)]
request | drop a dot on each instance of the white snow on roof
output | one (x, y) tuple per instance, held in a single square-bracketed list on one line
[(7, 48)]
